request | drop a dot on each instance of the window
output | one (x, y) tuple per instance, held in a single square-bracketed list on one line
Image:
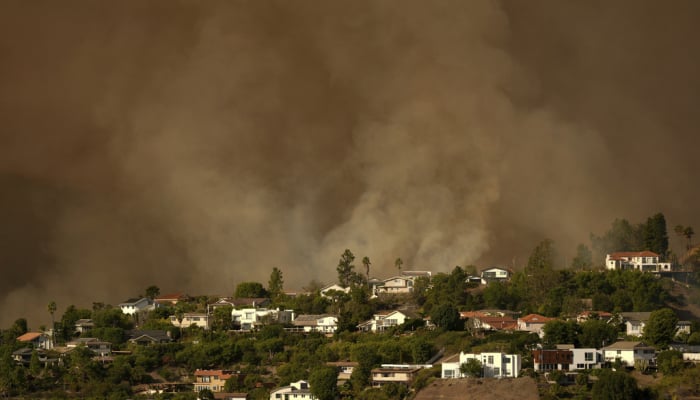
[(588, 356), (580, 366), (490, 360), (619, 352)]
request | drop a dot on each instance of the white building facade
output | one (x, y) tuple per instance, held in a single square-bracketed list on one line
[(494, 365)]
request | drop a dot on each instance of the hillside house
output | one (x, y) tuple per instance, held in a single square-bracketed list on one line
[(98, 347), (345, 368), (401, 374), (252, 318), (324, 323), (495, 274), (83, 326), (395, 285), (533, 323), (211, 379), (37, 340), (201, 320), (566, 358), (645, 261), (146, 337), (135, 305), (385, 320), (494, 365), (629, 352), (299, 390)]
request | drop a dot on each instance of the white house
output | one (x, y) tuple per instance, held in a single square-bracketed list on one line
[(385, 320), (299, 390), (395, 285), (333, 287), (250, 318), (628, 352), (635, 322), (324, 323), (401, 374), (39, 340), (132, 306), (586, 358), (494, 274), (494, 365), (188, 319), (645, 261)]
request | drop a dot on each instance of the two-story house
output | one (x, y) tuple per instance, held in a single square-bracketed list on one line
[(566, 358), (629, 352), (299, 390), (211, 379), (402, 374), (37, 340), (385, 320), (645, 261), (494, 365), (98, 347), (135, 305), (395, 285), (324, 323), (251, 318), (495, 274)]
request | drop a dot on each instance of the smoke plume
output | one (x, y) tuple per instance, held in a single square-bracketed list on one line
[(197, 145)]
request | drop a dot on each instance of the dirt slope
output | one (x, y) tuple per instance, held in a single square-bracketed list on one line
[(497, 389)]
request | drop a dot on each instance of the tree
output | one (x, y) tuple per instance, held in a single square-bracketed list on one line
[(345, 268), (51, 307), (446, 316), (661, 327), (250, 290), (152, 292), (472, 368), (583, 258), (206, 394), (275, 286), (366, 263), (615, 385), (560, 332), (655, 235), (324, 383), (398, 263), (670, 361), (596, 333)]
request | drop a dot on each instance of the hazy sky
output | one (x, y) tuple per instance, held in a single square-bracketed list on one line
[(194, 145)]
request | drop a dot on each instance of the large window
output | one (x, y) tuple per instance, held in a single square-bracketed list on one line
[(588, 356)]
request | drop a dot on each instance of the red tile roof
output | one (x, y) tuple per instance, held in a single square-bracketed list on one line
[(222, 374), (535, 319), (29, 336)]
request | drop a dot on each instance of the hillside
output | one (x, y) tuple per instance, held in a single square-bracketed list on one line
[(687, 300), (502, 389)]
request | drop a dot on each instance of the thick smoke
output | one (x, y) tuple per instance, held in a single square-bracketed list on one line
[(196, 145)]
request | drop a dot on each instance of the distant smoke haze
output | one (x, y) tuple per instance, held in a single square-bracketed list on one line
[(197, 145)]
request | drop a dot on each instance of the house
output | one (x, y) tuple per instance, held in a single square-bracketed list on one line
[(566, 358), (395, 285), (533, 323), (188, 319), (345, 368), (495, 274), (325, 323), (491, 323), (171, 299), (38, 340), (24, 355), (586, 315), (629, 352), (683, 327), (328, 289), (211, 379), (252, 318), (242, 302), (635, 322), (145, 337), (133, 306), (645, 261), (385, 320), (494, 365), (402, 374), (299, 390), (97, 346), (84, 325)]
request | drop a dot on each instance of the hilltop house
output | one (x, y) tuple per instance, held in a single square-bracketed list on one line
[(494, 274), (645, 261), (494, 365), (299, 390), (135, 305), (395, 285)]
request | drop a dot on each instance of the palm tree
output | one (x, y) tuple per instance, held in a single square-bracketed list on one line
[(51, 307), (366, 263), (688, 232), (398, 263)]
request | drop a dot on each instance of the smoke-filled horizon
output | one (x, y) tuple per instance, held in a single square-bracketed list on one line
[(197, 145)]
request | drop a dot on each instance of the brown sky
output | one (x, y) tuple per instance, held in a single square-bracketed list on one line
[(194, 145)]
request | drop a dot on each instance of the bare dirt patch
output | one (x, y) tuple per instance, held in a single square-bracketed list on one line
[(502, 389)]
